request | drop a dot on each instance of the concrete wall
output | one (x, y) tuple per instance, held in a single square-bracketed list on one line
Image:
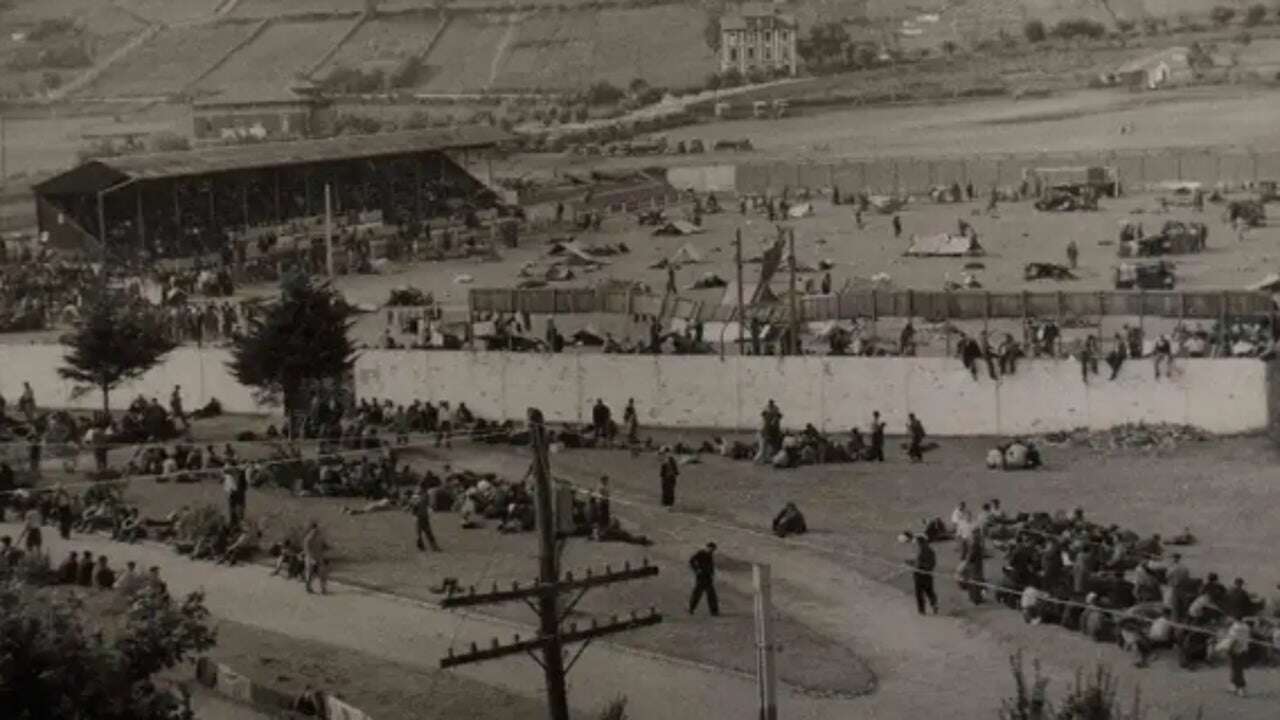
[(1222, 396), (710, 178), (202, 373)]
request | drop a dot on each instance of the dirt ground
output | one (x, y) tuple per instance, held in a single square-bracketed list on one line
[(1221, 490)]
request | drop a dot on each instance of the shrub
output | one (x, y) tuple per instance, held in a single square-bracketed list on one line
[(1034, 31), (49, 28), (1255, 15), (603, 93), (1079, 27), (408, 74), (168, 142), (201, 521), (615, 710), (1126, 26), (351, 81), (1222, 14), (713, 82)]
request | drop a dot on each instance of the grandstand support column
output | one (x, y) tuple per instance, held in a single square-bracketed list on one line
[(244, 201), (742, 315), (417, 188), (177, 209), (275, 174)]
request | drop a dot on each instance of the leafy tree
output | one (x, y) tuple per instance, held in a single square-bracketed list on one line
[(1222, 14), (1034, 31), (299, 344), (1255, 15), (603, 93), (168, 142), (824, 46), (1126, 26), (57, 665), (115, 341)]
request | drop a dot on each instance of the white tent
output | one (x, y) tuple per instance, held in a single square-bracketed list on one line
[(687, 254), (1270, 283), (800, 210)]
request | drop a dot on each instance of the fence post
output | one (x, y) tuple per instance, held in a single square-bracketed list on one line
[(946, 320), (1222, 323), (911, 304), (1026, 315), (1142, 312), (986, 310)]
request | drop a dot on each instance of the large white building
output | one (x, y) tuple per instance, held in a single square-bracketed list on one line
[(758, 38)]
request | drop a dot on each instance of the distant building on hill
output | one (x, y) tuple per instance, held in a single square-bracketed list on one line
[(760, 38), (293, 113)]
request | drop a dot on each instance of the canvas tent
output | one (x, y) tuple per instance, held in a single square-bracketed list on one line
[(943, 245), (1270, 283), (685, 255), (800, 210), (679, 227)]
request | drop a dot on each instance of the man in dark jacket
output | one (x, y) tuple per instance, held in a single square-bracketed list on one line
[(703, 564), (924, 564), (877, 438), (667, 473), (915, 430), (600, 417)]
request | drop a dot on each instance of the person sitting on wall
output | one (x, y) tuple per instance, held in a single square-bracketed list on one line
[(790, 521)]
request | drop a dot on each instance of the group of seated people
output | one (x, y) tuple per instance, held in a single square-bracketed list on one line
[(84, 570), (1015, 454), (1115, 585)]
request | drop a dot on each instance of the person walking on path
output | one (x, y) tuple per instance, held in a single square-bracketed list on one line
[(924, 564), (915, 431), (632, 420), (1238, 654), (31, 533), (313, 559), (668, 473), (877, 438), (422, 519), (703, 564), (175, 407)]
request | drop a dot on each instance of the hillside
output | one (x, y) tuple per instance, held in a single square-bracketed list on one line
[(125, 49)]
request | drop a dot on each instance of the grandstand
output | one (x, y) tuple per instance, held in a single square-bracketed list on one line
[(184, 204)]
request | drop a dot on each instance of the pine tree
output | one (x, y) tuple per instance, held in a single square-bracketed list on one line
[(115, 341), (298, 345)]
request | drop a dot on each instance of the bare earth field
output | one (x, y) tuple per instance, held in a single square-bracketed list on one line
[(1220, 489)]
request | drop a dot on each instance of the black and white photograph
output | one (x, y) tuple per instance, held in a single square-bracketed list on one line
[(639, 359)]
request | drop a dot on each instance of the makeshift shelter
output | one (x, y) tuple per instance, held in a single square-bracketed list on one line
[(800, 210), (885, 204), (678, 227), (1270, 283), (944, 245), (686, 255), (574, 254)]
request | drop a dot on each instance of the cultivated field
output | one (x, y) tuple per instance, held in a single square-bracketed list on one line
[(278, 8), (682, 58), (465, 56), (384, 43), (169, 62), (551, 51), (276, 58)]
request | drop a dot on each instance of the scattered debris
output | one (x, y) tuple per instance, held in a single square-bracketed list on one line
[(1131, 436)]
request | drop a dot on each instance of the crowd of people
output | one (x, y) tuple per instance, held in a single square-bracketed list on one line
[(1105, 581)]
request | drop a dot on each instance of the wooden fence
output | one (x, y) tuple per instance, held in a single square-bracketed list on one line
[(928, 304)]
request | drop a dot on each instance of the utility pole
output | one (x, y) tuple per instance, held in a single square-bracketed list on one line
[(742, 315), (795, 305), (766, 674), (546, 592), (328, 229)]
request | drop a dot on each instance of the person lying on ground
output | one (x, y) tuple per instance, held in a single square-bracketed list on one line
[(790, 521)]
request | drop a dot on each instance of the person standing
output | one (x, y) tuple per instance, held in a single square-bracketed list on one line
[(668, 472), (34, 451), (703, 564), (27, 402), (64, 513), (313, 559), (231, 486), (1238, 654), (924, 563), (175, 407), (31, 533), (632, 420), (602, 503), (422, 518), (897, 226), (1073, 254), (915, 431), (877, 438), (971, 573)]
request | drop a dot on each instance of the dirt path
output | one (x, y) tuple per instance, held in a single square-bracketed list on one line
[(417, 635)]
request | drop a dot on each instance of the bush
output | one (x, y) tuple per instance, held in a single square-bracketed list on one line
[(603, 93), (350, 81), (713, 82), (1222, 14), (1126, 26), (201, 521), (1255, 15), (1079, 27), (168, 142), (615, 710), (1034, 31), (408, 74), (52, 27)]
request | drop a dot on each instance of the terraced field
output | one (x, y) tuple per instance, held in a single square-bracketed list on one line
[(463, 59), (385, 42), (551, 51), (171, 12), (277, 57), (169, 62), (663, 44), (279, 8)]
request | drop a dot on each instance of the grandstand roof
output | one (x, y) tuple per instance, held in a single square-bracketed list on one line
[(100, 174)]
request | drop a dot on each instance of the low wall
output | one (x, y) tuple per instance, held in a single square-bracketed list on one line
[(202, 373), (1221, 396)]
